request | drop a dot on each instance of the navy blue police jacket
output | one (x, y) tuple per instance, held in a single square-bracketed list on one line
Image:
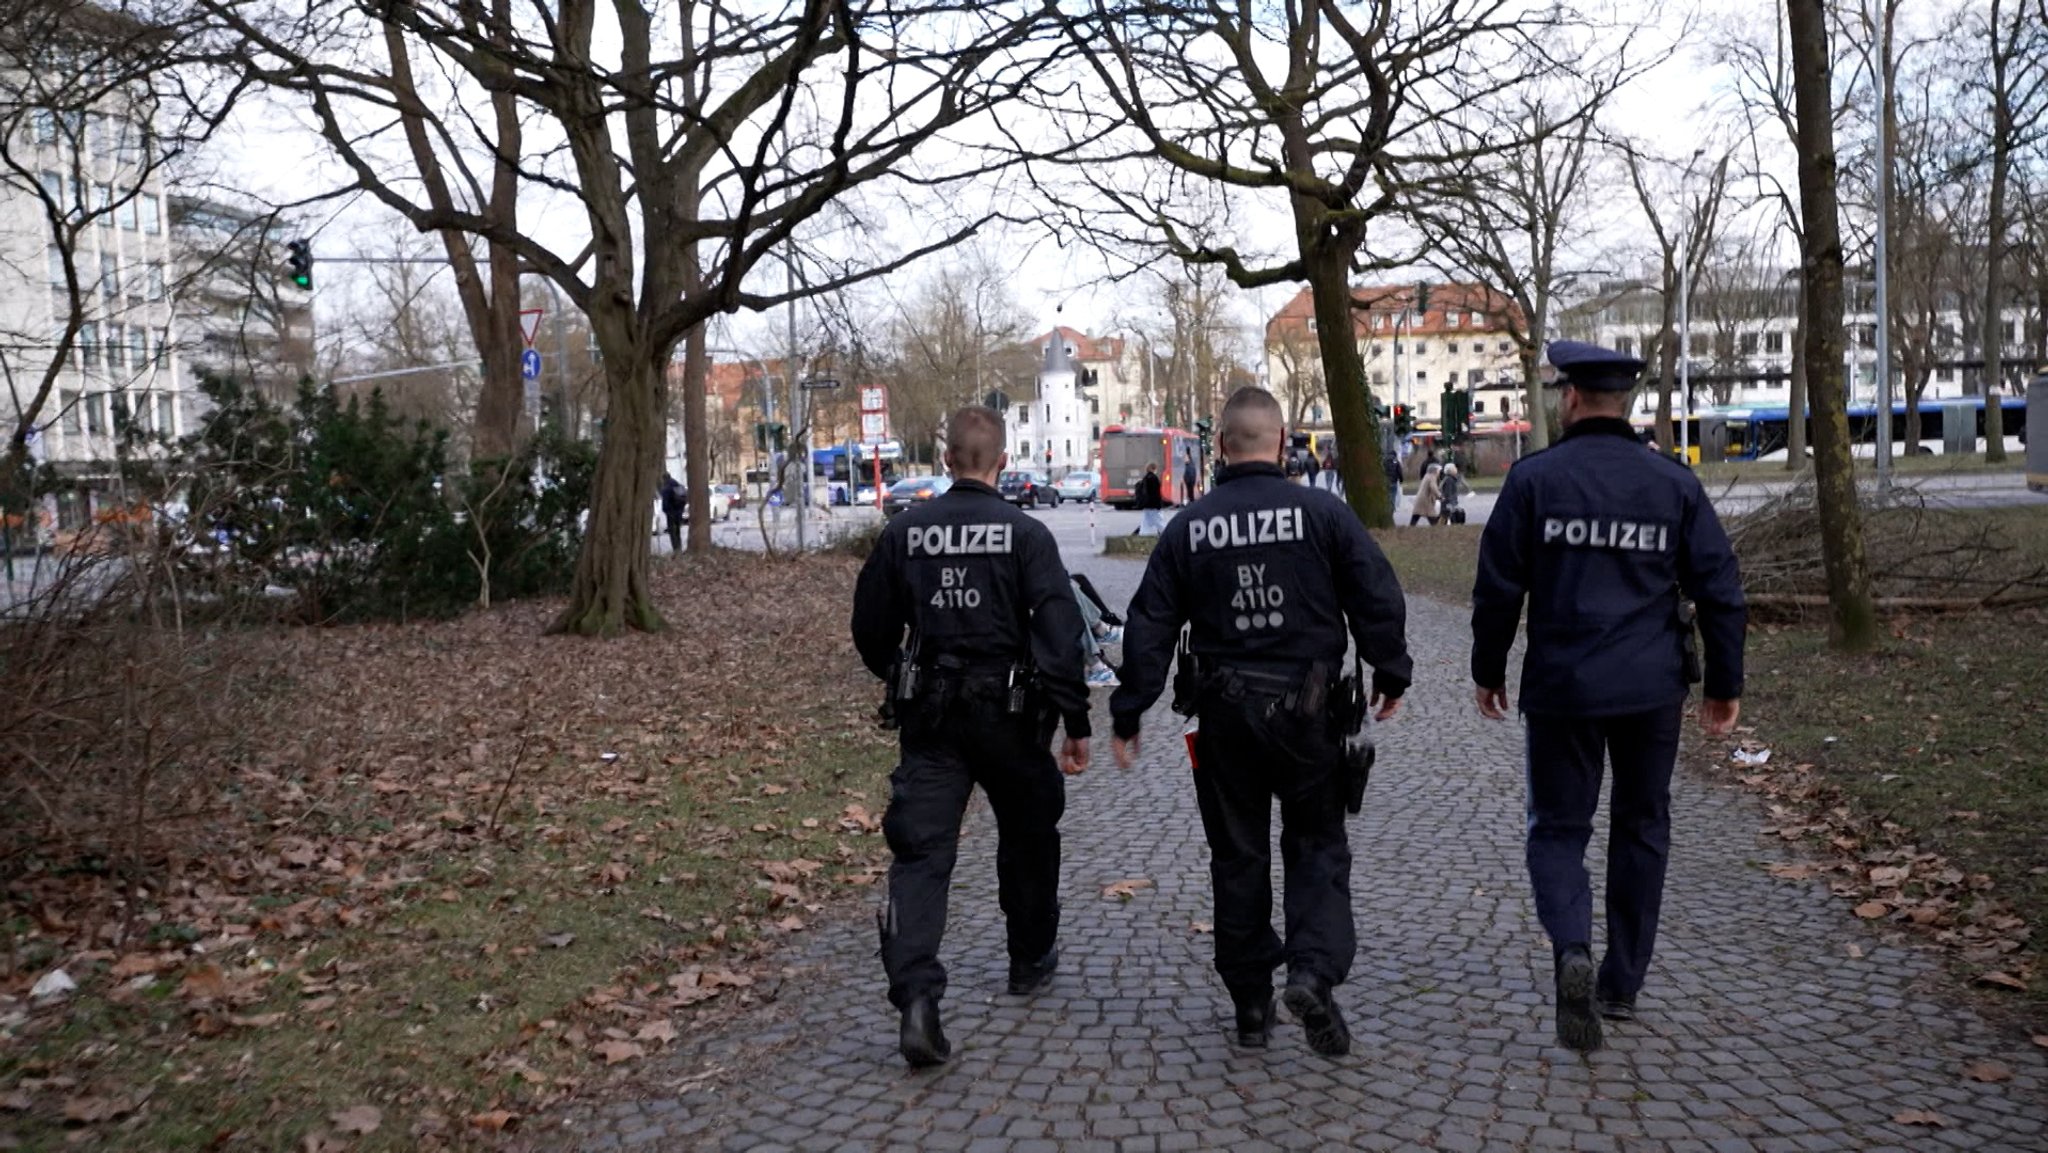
[(1266, 575), (976, 580), (1600, 536)]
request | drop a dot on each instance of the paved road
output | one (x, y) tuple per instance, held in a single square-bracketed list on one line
[(1773, 1021)]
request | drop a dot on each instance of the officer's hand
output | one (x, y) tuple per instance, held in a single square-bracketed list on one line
[(1493, 703), (1384, 706), (1126, 750), (1717, 718), (1074, 756)]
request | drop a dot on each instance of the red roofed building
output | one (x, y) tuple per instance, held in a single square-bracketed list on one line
[(1417, 340)]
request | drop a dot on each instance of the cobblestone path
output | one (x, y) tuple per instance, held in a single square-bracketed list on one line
[(1761, 1029)]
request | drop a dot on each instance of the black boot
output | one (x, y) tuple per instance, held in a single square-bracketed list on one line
[(1578, 1020), (1616, 1007), (921, 1042), (1028, 979), (1308, 998), (1254, 1018)]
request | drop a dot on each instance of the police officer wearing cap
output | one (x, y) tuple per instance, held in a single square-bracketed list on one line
[(965, 609), (1268, 576), (1612, 547)]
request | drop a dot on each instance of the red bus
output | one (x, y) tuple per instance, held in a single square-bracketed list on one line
[(1126, 452)]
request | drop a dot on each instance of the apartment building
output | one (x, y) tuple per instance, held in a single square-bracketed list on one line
[(1418, 341), (85, 267)]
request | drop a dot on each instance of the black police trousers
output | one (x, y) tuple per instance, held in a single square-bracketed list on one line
[(1564, 767), (1247, 753), (946, 752)]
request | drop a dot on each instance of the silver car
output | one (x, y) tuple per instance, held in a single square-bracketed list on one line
[(1081, 484)]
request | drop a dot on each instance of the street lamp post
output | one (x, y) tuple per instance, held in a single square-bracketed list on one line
[(1879, 300), (1685, 351)]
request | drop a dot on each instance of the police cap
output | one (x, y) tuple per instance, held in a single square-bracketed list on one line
[(1592, 367)]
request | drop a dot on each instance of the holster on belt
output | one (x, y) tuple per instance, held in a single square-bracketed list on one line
[(1688, 641), (1347, 716)]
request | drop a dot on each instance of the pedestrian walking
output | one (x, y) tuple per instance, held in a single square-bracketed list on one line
[(965, 610), (675, 506), (1428, 503), (1311, 467), (1150, 499), (1612, 548), (1450, 489), (1391, 463), (1267, 576), (1189, 476)]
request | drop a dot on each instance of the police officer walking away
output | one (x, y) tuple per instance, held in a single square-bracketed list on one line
[(990, 664), (1612, 547), (1267, 575)]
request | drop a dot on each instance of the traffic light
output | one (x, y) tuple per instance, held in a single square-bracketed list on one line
[(1404, 421), (300, 262), (1203, 428), (1457, 415), (770, 436)]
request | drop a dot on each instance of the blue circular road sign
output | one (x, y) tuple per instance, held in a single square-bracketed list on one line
[(529, 364)]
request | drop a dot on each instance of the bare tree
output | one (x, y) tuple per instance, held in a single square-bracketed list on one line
[(1685, 218), (1505, 219), (1341, 112), (1192, 323), (691, 157), (2016, 34), (1299, 381), (953, 338), (1853, 624)]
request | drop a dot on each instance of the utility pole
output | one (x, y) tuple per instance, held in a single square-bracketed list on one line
[(799, 410), (1685, 349)]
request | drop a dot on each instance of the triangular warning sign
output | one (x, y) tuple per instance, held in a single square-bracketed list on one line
[(529, 323)]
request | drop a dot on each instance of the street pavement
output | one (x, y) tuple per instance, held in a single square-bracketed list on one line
[(1774, 1020)]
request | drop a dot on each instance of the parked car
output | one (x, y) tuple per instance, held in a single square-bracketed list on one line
[(1026, 487), (735, 496), (1081, 484), (915, 491)]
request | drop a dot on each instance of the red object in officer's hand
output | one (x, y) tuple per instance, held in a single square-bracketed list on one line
[(1189, 734)]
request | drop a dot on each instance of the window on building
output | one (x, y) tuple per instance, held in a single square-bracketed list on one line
[(1069, 449), (1477, 320), (125, 213), (1944, 373), (1478, 407), (110, 280), (102, 204), (1095, 432), (1475, 377), (121, 413), (166, 414), (1751, 342), (1024, 448), (1625, 345), (117, 347), (162, 348), (1397, 348), (89, 345), (1422, 379), (1454, 319), (1421, 347), (43, 126), (1698, 344), (1378, 378), (2011, 329), (138, 347), (152, 215), (57, 280), (1451, 347), (95, 414), (1504, 346), (53, 188), (1774, 343), (68, 410), (1379, 322)]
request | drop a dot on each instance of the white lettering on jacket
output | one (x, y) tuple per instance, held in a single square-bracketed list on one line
[(960, 540), (1239, 529), (1622, 535)]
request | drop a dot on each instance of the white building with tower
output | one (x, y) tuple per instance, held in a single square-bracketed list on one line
[(1057, 430)]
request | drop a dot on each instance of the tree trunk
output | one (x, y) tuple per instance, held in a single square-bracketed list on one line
[(1667, 364), (1328, 261), (1853, 623), (1538, 407), (610, 592), (696, 369)]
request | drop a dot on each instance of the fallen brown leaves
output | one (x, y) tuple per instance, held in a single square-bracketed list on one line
[(636, 823), (1876, 863)]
